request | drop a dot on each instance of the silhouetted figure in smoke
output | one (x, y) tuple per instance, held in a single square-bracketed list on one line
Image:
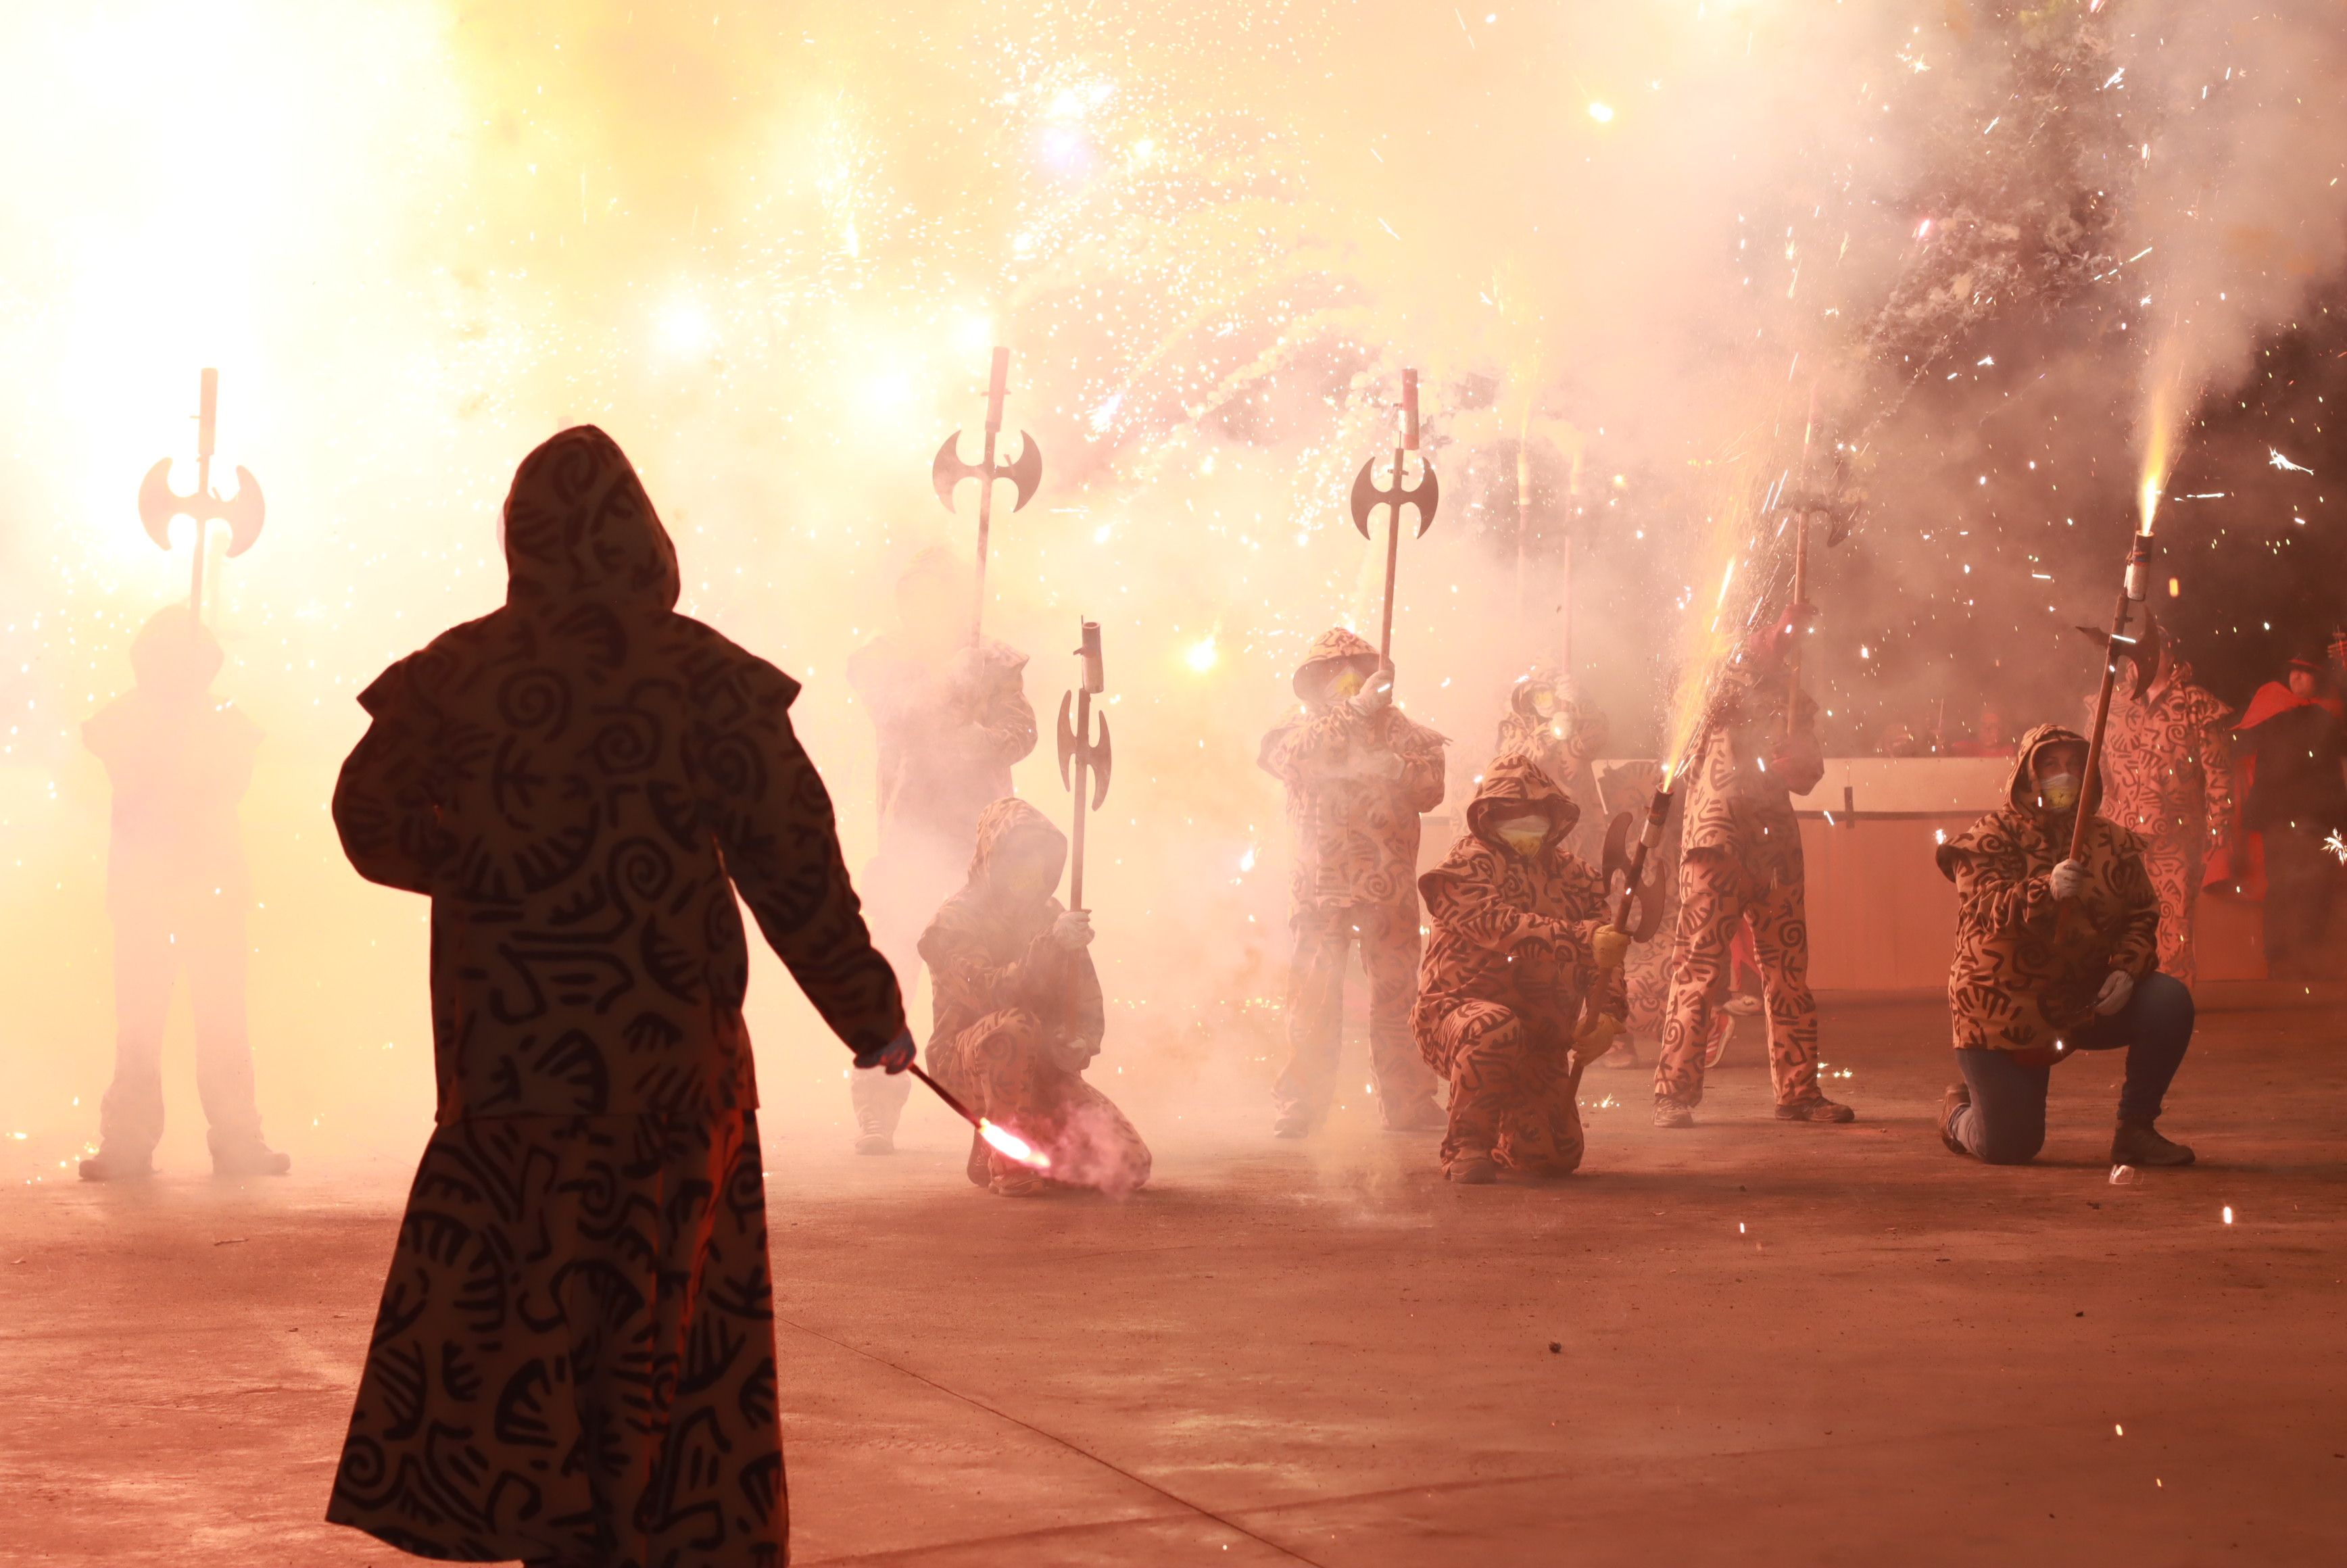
[(176, 888), (2055, 956), (1358, 775), (1019, 1013), (1741, 866), (574, 1362), (2168, 766), (1547, 721), (2297, 800), (1520, 942), (951, 718)]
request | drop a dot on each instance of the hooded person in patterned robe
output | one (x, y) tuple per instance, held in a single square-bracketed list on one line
[(574, 1360), (1740, 864), (1019, 1016), (1548, 723), (1520, 942), (2055, 956), (1359, 773), (2169, 762), (950, 718)]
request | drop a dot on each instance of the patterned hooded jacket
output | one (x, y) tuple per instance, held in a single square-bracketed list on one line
[(1352, 817), (2022, 976), (1510, 928), (1738, 797), (2169, 764), (987, 954), (579, 780)]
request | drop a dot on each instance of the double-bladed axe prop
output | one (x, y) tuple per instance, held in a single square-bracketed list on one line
[(1367, 497), (1024, 473), (1083, 758), (159, 503)]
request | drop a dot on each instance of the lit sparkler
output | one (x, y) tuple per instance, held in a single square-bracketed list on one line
[(1009, 1145)]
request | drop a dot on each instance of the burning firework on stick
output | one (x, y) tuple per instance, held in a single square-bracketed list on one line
[(1009, 1143)]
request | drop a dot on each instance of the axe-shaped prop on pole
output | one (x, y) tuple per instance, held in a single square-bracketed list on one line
[(1425, 495), (1024, 473), (1083, 757), (159, 503), (1631, 859)]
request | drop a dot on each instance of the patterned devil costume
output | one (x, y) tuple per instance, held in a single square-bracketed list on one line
[(1506, 972), (1019, 1019), (948, 727), (575, 1358), (179, 893), (1356, 787), (2168, 770), (1564, 740), (1741, 863), (2029, 967)]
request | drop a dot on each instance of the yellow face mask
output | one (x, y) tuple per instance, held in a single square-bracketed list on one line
[(1524, 835), (1346, 683)]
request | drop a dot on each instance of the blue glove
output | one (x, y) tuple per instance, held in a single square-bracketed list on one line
[(895, 1056)]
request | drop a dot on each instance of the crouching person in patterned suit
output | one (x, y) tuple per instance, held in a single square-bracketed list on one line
[(1020, 1016), (1520, 940), (2055, 956), (574, 1361)]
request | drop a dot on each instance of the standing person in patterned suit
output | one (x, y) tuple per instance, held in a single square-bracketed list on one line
[(950, 718), (1740, 864), (1520, 941), (1019, 1015), (178, 890), (2169, 764), (1358, 774), (2055, 956), (1546, 722), (574, 1361)]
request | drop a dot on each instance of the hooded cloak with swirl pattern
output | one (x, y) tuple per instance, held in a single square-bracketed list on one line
[(579, 780)]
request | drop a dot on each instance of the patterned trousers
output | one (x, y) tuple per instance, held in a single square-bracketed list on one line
[(1714, 895), (574, 1360), (1009, 1070), (1390, 944), (2175, 865), (1514, 1084)]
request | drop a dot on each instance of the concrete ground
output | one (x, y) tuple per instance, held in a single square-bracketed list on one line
[(1750, 1343)]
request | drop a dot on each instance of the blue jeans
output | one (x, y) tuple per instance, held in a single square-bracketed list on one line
[(2006, 1122)]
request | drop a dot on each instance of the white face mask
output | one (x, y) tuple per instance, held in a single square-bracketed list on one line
[(1524, 835), (2059, 793)]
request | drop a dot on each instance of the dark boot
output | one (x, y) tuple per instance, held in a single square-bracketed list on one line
[(1670, 1112), (2139, 1144), (248, 1157), (1296, 1123), (114, 1166), (1816, 1108), (1958, 1096)]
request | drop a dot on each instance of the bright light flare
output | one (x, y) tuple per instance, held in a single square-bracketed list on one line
[(1011, 1147), (683, 329), (1603, 113), (1203, 655)]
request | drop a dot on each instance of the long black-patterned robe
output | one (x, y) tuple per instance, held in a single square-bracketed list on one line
[(574, 1360)]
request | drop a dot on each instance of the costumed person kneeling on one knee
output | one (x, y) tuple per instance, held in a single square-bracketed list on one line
[(1019, 1015), (1519, 943), (2055, 956)]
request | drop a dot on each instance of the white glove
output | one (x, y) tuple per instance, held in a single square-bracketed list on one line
[(1373, 698), (1073, 930), (2068, 878), (2115, 993)]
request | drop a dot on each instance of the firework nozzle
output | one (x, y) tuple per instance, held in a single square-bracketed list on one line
[(2138, 568)]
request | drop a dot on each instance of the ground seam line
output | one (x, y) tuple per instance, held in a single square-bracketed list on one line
[(1107, 1464)]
